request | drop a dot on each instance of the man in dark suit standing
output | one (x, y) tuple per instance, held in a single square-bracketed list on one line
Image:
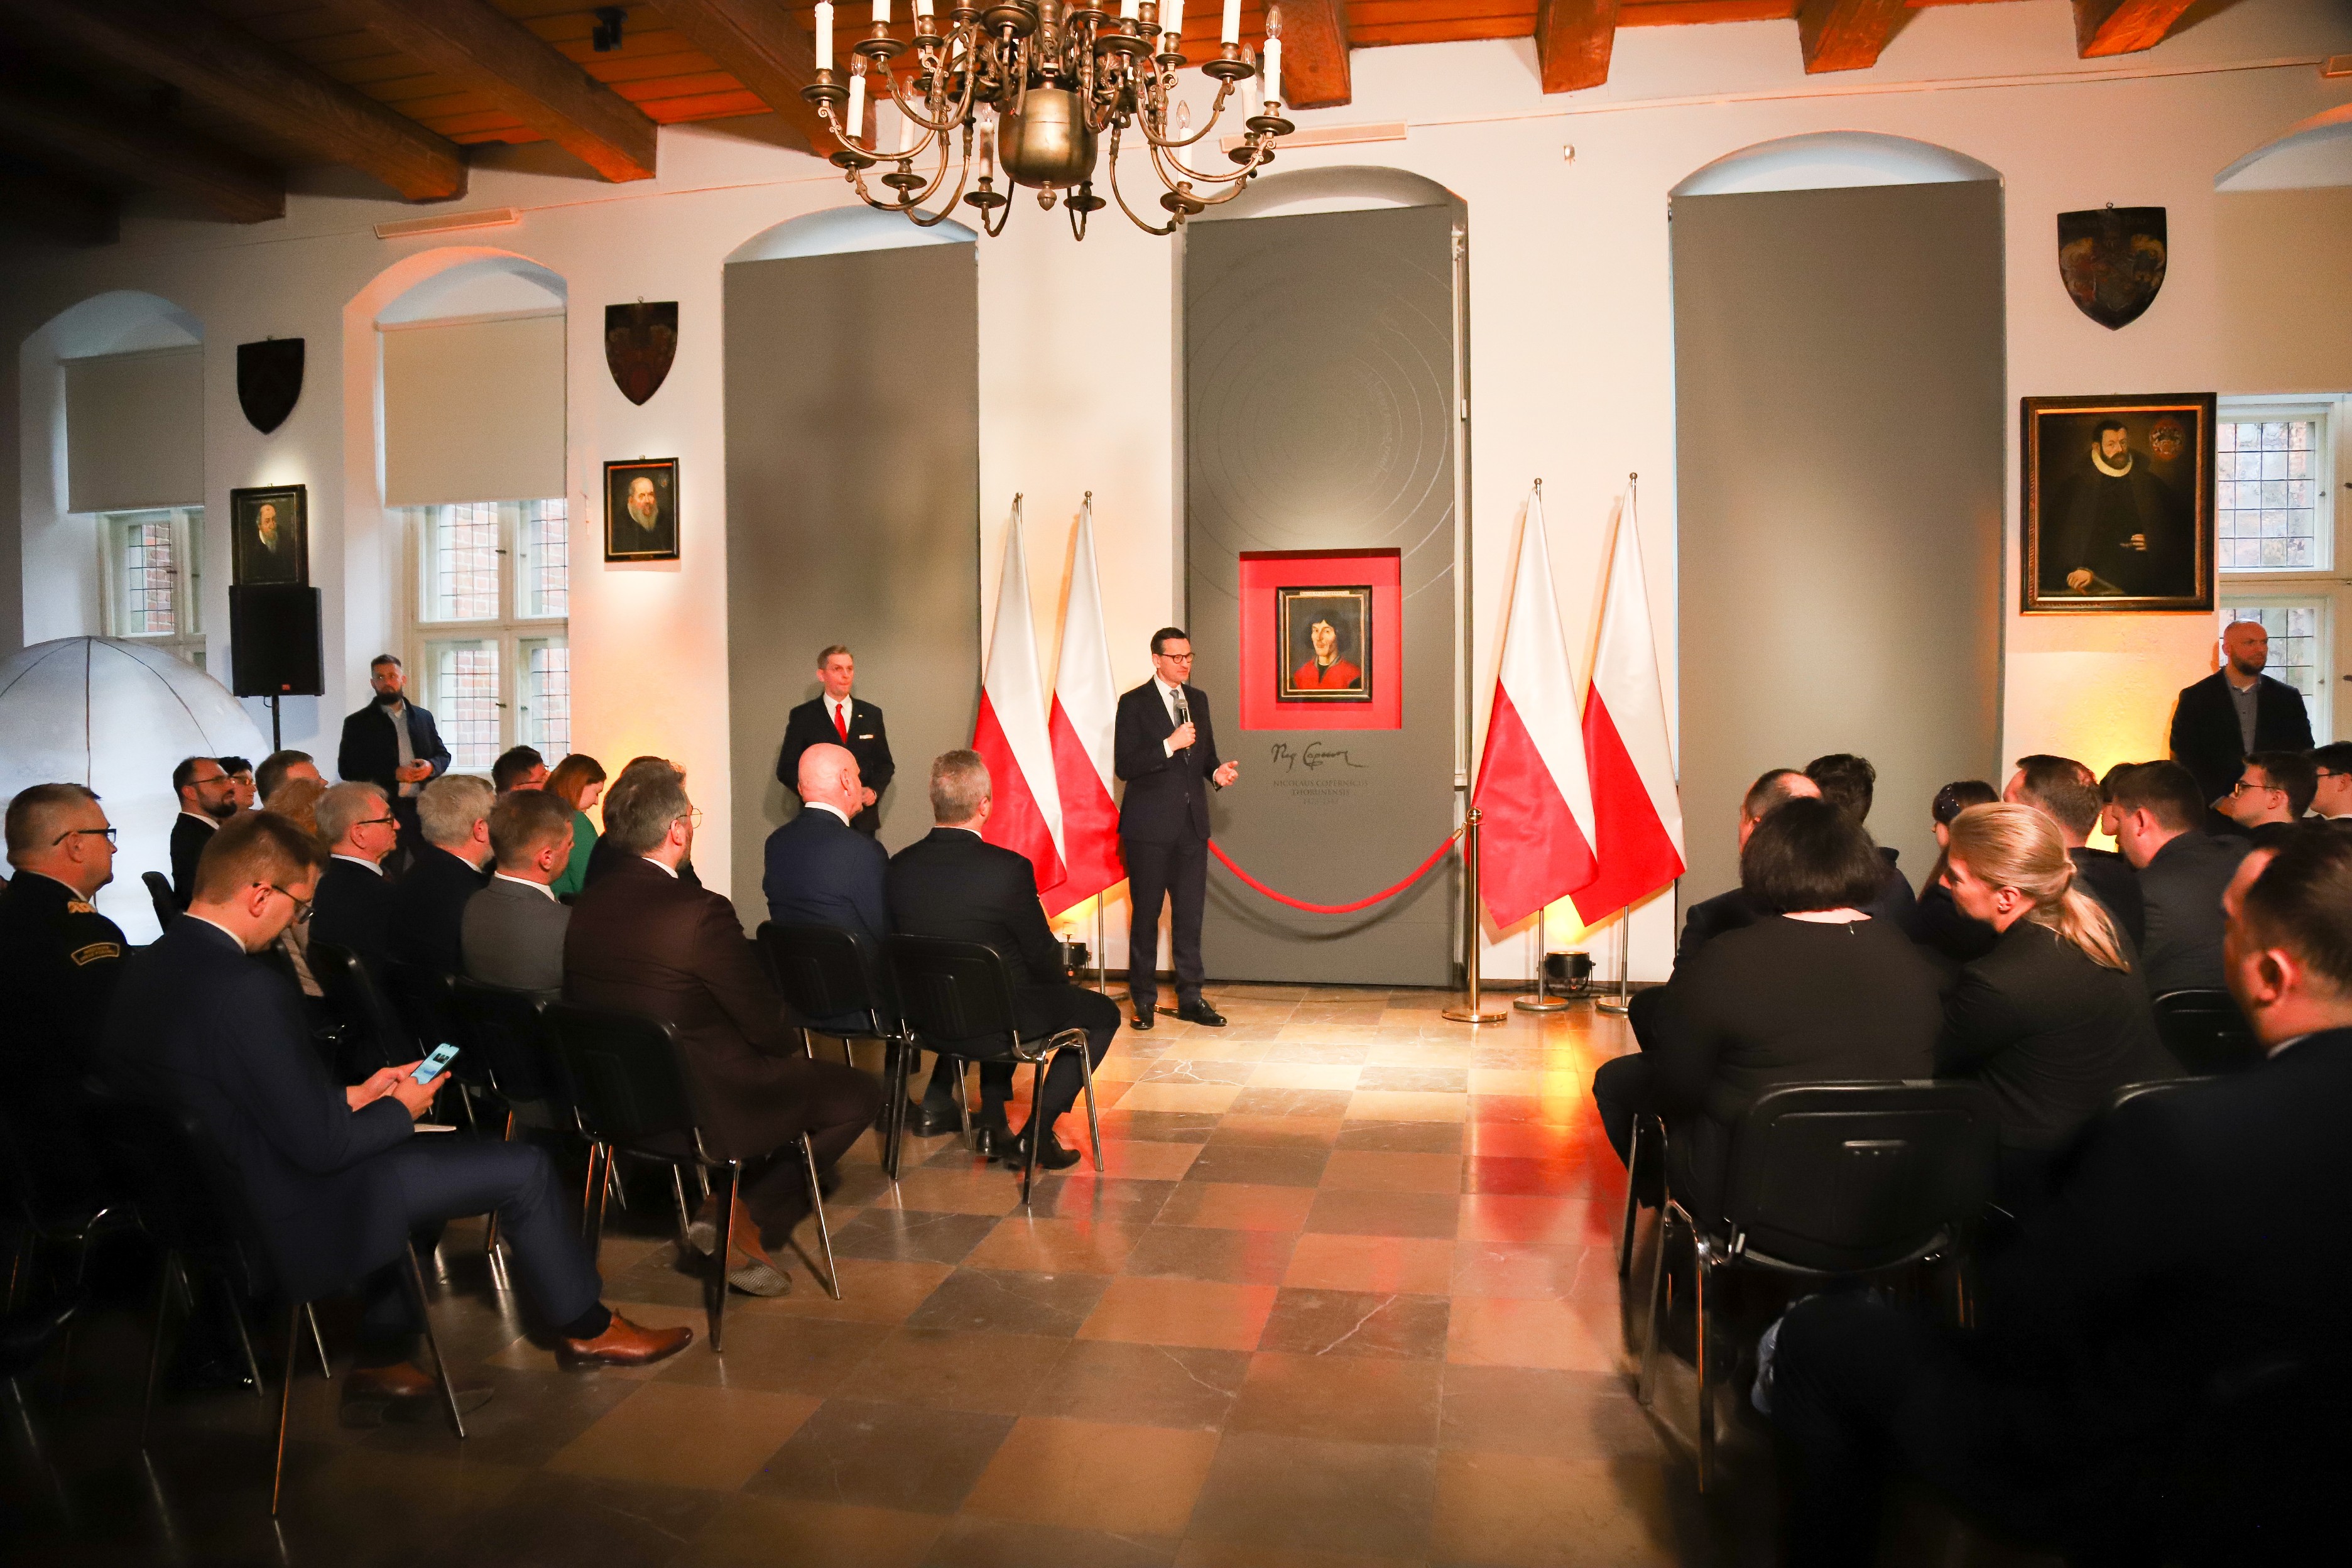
[(332, 1174), (956, 885), (2182, 871), (837, 719), (2236, 710), (207, 798), (353, 907), (1166, 750), (394, 745), (428, 904)]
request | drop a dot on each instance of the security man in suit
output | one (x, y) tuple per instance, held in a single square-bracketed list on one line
[(207, 798), (1166, 750), (2235, 710), (837, 719), (394, 744)]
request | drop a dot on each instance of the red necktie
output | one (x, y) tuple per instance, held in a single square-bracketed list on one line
[(841, 721)]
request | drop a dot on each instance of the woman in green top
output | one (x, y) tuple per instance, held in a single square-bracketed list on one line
[(577, 779)]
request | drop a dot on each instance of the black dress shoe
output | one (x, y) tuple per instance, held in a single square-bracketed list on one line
[(1051, 1155), (996, 1142), (925, 1122), (1198, 1011), (1142, 1020)]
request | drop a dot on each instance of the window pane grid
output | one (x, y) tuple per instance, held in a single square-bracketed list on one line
[(466, 702), (149, 578), (2268, 516), (464, 563), (546, 698), (546, 538), (503, 570)]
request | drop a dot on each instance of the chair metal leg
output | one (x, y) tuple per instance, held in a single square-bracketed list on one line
[(808, 1045), (726, 1250), (1038, 1130), (286, 1409), (614, 1189), (894, 1136), (318, 1343), (824, 1231), (491, 1226), (1094, 1116), (1646, 1389), (163, 1296), (685, 1218), (962, 1101), (1704, 1267), (243, 1338), (432, 1342), (588, 1188), (596, 1214), (1632, 1176)]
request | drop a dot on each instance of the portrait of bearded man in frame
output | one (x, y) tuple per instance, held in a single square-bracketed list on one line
[(641, 510), (2118, 503), (1324, 637)]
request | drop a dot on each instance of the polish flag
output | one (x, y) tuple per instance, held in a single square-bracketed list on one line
[(1636, 806), (1011, 733), (1535, 835), (1085, 716)]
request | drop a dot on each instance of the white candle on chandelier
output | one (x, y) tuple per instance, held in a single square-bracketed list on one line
[(1172, 17), (1232, 33), (825, 33), (882, 10), (922, 8), (856, 101), (1273, 68), (1129, 9), (988, 149)]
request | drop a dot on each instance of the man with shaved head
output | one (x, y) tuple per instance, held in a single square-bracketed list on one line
[(2235, 710)]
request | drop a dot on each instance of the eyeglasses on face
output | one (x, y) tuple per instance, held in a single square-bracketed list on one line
[(691, 816), (377, 822), (301, 905), (2244, 785), (106, 833)]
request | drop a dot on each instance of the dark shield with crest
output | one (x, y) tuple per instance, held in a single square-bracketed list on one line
[(2112, 261), (269, 381), (640, 340)]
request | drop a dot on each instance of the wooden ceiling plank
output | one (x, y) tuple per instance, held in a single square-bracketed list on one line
[(473, 42), (1847, 34), (259, 85), (759, 44), (2123, 26), (1573, 39), (1682, 13), (1442, 33), (1315, 45), (67, 211), (141, 150)]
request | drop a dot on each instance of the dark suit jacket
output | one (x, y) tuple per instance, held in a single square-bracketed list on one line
[(189, 836), (428, 912), (1895, 904), (954, 884), (646, 942), (198, 1024), (608, 855), (2050, 1032), (1167, 798), (2182, 887), (370, 752), (809, 724), (2109, 878), (513, 937), (821, 873), (352, 909), (1710, 918), (2207, 741)]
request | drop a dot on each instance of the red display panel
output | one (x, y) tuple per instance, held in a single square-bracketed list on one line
[(1322, 640)]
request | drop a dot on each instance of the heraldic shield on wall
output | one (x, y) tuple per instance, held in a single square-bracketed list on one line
[(269, 381), (640, 340), (2112, 260)]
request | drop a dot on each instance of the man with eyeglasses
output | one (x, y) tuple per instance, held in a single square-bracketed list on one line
[(2331, 795), (207, 798), (353, 909), (59, 956), (2273, 791)]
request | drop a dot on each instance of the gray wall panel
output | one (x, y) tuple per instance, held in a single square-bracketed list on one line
[(853, 515), (1840, 419), (1320, 355)]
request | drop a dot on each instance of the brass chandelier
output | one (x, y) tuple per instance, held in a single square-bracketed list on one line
[(1034, 85)]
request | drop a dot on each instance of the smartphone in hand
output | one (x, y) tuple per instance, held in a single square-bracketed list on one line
[(433, 1066)]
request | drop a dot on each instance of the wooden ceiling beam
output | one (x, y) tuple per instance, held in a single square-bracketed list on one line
[(1315, 45), (1847, 34), (758, 42), (2123, 26), (141, 150), (474, 43), (57, 209), (260, 85), (1574, 40)]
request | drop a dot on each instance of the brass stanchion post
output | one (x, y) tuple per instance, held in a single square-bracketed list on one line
[(1470, 1012)]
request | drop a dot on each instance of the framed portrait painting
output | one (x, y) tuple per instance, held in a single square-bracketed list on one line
[(2118, 505), (269, 535), (641, 510), (1325, 635), (1321, 639)]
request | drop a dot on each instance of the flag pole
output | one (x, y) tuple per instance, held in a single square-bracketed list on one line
[(1622, 1001), (1542, 1002), (1469, 1012)]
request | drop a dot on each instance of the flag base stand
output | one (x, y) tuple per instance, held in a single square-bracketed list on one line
[(1623, 1003), (1542, 1001), (1471, 1009)]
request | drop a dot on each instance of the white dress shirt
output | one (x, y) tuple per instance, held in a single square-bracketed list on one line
[(541, 886)]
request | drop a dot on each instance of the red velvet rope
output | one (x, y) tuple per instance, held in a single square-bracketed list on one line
[(1418, 873)]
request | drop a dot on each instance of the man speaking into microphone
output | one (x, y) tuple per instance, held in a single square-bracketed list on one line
[(1166, 752)]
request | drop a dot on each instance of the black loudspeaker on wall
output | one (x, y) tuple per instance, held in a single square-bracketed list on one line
[(273, 640)]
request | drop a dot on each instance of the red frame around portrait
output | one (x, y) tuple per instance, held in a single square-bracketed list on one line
[(1266, 570)]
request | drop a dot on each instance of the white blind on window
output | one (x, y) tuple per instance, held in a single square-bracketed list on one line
[(473, 411), (135, 430)]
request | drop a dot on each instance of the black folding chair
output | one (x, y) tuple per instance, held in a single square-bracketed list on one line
[(956, 998), (374, 1034), (826, 971), (506, 1057), (49, 1210), (635, 1097), (1828, 1181), (2205, 1032), (160, 894)]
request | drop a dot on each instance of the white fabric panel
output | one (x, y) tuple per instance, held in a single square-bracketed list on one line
[(135, 430), (474, 411)]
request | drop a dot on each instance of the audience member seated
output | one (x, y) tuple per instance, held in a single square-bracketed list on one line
[(2158, 1370), (428, 904), (2107, 797), (280, 768), (578, 781), (333, 1175), (1937, 923), (603, 856), (2272, 792), (298, 801), (519, 767), (2159, 822), (513, 929), (2331, 798), (953, 883), (645, 940), (821, 871), (353, 907), (2052, 1020), (240, 770), (208, 799), (1815, 992), (1849, 782), (2063, 790)]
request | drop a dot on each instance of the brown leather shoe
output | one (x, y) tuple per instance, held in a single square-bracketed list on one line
[(623, 1343), (402, 1391)]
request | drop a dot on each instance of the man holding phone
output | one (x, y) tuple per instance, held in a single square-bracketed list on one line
[(332, 1174)]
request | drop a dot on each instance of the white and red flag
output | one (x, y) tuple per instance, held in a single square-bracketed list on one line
[(1009, 735), (1083, 720), (1533, 802), (1637, 809)]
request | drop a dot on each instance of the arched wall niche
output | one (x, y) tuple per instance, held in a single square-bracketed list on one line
[(2314, 153), (1833, 160), (61, 576), (1352, 187), (838, 230)]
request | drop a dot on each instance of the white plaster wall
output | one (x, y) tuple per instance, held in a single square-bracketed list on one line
[(1572, 340)]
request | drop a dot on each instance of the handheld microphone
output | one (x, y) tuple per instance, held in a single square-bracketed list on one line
[(1183, 717)]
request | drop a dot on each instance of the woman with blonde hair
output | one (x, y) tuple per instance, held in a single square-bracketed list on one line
[(578, 781), (2053, 1019)]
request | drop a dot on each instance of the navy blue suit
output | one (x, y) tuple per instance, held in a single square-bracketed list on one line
[(822, 872), (1163, 831)]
